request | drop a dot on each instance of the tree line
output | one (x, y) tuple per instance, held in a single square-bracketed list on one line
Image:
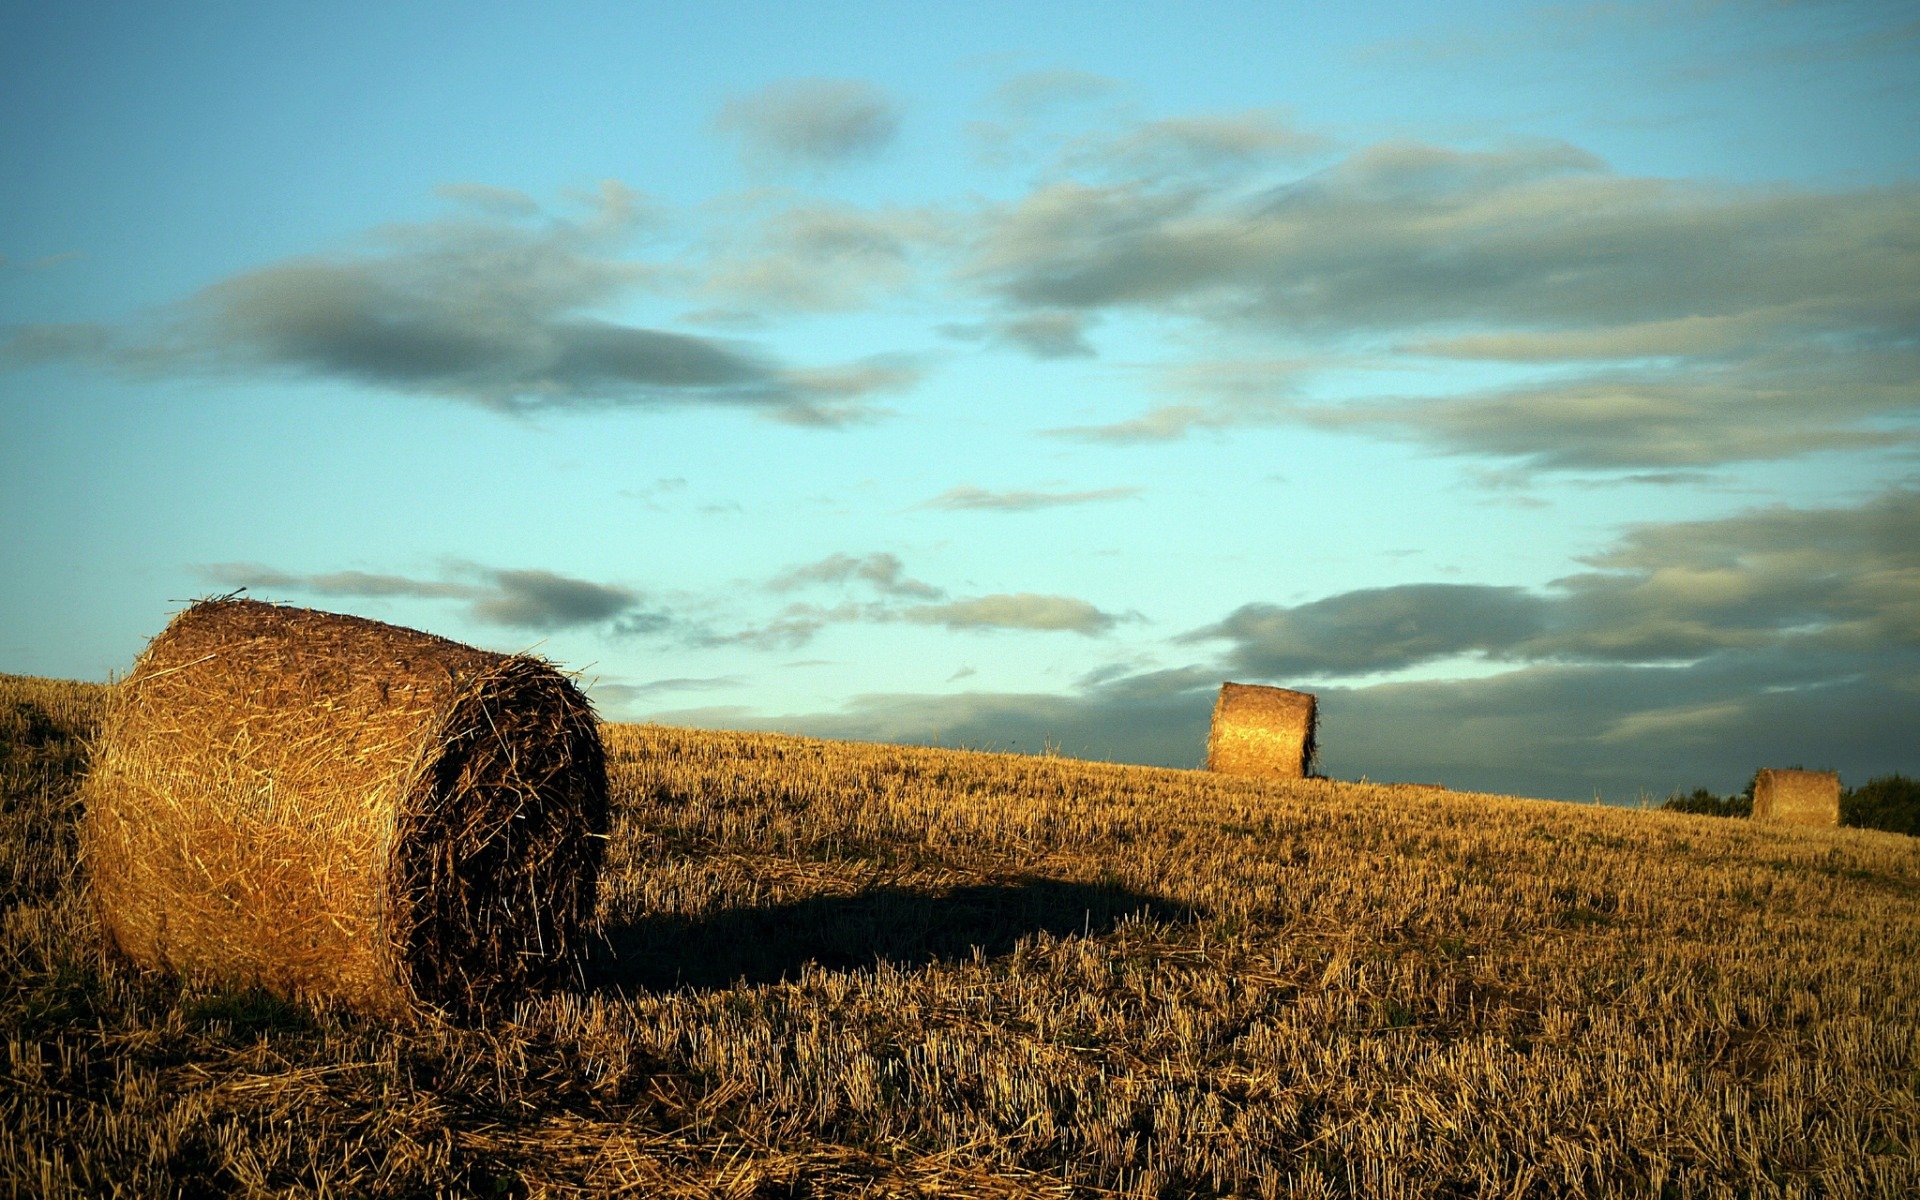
[(1889, 802)]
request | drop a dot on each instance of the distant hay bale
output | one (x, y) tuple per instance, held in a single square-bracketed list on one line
[(1262, 731), (1797, 797), (340, 809)]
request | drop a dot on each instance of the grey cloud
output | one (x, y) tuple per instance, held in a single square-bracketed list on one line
[(1758, 323), (487, 198), (1162, 722), (625, 693), (969, 497), (1779, 577), (820, 257), (883, 572), (1044, 335), (484, 309), (834, 397), (1768, 407), (1376, 629), (1621, 731), (1227, 393), (1033, 92), (1790, 636), (32, 345), (1167, 423), (544, 600), (793, 627), (1022, 610), (1049, 334), (1408, 236), (813, 122), (1567, 732), (514, 598), (1182, 147)]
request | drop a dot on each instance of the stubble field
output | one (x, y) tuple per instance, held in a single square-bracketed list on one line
[(838, 969)]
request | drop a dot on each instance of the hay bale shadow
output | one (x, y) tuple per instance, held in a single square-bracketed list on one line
[(901, 926)]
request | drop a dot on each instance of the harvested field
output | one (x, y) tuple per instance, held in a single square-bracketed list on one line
[(342, 810), (1797, 797), (835, 969), (1262, 732)]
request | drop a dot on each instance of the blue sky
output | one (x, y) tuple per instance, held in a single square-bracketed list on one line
[(1537, 384)]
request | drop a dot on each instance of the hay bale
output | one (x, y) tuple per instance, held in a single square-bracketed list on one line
[(1797, 797), (1262, 731), (339, 809)]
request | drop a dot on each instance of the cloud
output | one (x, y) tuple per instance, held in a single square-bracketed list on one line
[(33, 345), (1776, 577), (1375, 629), (489, 199), (1229, 393), (513, 598), (1571, 731), (1023, 610), (1034, 92), (494, 308), (816, 256), (604, 691), (885, 575), (1048, 334), (544, 600), (812, 122), (883, 572), (1749, 323), (1204, 145), (1567, 732), (1150, 720), (1690, 654), (1770, 406), (1043, 335), (969, 497), (1168, 422)]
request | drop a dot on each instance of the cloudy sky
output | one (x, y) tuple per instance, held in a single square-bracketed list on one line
[(1540, 385)]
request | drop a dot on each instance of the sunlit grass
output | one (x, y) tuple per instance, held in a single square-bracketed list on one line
[(829, 968)]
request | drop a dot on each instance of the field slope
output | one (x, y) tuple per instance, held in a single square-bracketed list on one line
[(833, 969)]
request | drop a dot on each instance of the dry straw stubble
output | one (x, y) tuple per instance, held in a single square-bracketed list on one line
[(344, 810), (1267, 732)]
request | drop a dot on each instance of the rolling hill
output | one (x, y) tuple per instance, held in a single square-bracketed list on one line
[(832, 968)]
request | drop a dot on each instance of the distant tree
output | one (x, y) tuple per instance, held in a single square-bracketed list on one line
[(1890, 802), (1704, 802)]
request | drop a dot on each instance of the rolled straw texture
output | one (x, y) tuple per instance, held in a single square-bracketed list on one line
[(1266, 732), (1797, 797), (343, 810)]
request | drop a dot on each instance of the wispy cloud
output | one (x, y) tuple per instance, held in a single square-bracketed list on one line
[(1208, 144), (511, 598), (495, 306), (811, 255), (1716, 324), (885, 573), (896, 597), (625, 693), (1689, 654), (1821, 580), (812, 122), (1022, 610), (967, 497)]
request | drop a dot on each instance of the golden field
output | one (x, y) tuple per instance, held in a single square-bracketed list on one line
[(840, 969)]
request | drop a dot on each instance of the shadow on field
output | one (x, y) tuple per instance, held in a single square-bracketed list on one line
[(895, 925)]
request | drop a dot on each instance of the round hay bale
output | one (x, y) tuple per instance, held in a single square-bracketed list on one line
[(1796, 797), (1264, 732), (343, 810)]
